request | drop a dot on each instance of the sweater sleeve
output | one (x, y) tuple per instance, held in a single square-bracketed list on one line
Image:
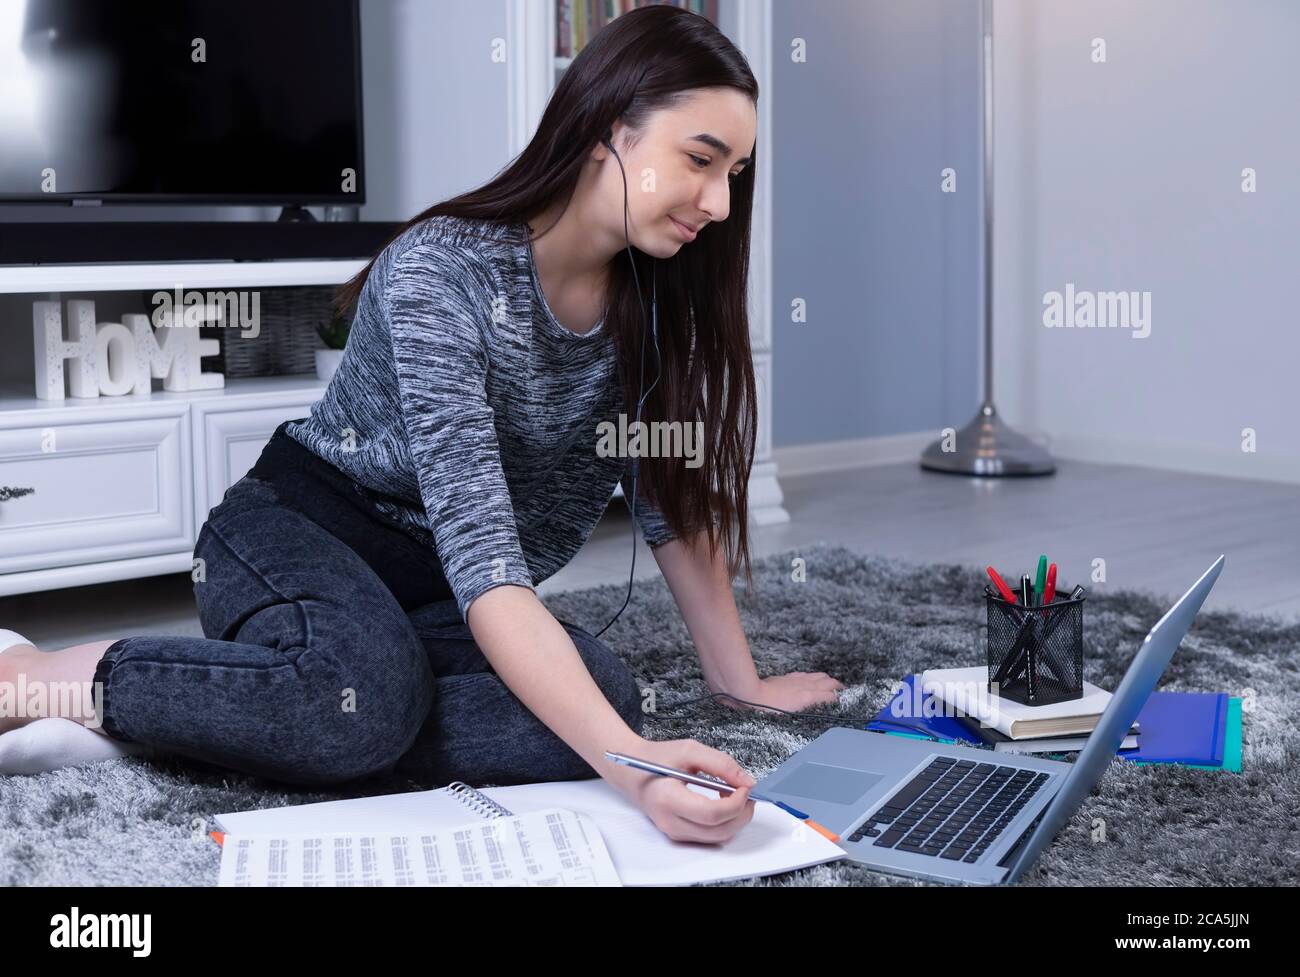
[(654, 530), (437, 300)]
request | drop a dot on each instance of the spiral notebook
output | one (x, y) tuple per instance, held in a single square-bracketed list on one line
[(542, 848), (773, 841)]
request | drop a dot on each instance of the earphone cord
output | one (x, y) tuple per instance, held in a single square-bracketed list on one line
[(654, 282)]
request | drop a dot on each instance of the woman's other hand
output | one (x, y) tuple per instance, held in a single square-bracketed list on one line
[(793, 692)]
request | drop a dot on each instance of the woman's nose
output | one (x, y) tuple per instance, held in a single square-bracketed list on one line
[(715, 201)]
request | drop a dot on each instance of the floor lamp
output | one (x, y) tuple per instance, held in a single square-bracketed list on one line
[(986, 446)]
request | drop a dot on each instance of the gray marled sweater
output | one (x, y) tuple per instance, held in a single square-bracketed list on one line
[(471, 413)]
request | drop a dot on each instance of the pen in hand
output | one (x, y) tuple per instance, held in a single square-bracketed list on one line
[(721, 786)]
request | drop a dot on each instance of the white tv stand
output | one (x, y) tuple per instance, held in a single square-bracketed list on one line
[(191, 274), (129, 480)]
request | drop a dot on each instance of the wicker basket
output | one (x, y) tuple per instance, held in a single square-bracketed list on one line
[(286, 341)]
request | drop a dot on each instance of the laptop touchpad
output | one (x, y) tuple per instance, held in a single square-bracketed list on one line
[(821, 782)]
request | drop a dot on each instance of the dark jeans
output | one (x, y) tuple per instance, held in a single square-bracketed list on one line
[(313, 672)]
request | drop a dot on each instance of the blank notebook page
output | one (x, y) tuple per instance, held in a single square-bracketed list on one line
[(772, 842)]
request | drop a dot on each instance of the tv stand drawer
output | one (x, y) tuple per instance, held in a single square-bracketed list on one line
[(105, 489)]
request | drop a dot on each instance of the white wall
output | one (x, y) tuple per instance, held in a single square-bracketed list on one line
[(1127, 175), (435, 101)]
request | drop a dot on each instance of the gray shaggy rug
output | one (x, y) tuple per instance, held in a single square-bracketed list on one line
[(137, 822)]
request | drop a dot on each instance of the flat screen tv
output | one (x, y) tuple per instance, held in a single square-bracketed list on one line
[(181, 101)]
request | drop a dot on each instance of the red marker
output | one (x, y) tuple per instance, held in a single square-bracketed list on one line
[(1050, 591), (1007, 593)]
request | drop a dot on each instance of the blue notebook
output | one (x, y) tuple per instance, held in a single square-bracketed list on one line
[(911, 719), (1183, 727), (1174, 727), (1231, 741)]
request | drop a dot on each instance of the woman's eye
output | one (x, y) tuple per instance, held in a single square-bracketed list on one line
[(702, 163)]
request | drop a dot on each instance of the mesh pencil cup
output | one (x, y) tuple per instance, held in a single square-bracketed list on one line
[(1035, 654)]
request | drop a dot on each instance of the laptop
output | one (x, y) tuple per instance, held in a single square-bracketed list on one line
[(960, 814)]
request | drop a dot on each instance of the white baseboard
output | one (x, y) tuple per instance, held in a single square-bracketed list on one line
[(831, 456), (1191, 458)]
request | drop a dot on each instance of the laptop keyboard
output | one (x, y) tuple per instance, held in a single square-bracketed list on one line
[(952, 809)]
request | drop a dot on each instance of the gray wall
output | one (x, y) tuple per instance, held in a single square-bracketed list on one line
[(888, 264), (1127, 175)]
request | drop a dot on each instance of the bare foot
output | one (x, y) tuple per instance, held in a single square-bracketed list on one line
[(14, 662), (75, 665)]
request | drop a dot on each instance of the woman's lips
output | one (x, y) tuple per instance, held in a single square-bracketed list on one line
[(686, 232)]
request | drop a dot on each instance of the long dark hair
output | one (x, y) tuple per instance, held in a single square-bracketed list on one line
[(644, 60)]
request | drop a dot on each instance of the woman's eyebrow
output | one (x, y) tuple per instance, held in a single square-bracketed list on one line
[(716, 143)]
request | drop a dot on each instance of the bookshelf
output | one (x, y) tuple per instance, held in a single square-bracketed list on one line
[(577, 20), (543, 44)]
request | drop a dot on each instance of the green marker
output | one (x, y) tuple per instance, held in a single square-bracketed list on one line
[(1040, 585)]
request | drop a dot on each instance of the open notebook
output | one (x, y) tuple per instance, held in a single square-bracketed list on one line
[(543, 848), (772, 842)]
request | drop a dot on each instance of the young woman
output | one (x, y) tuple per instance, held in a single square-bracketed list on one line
[(366, 592)]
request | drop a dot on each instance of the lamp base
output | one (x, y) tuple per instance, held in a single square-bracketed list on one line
[(986, 446)]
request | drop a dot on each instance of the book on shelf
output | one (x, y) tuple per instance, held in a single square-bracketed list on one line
[(577, 21)]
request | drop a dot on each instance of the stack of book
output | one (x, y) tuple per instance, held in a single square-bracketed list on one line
[(953, 705)]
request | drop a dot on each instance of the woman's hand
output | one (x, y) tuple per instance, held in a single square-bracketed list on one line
[(793, 692), (681, 812)]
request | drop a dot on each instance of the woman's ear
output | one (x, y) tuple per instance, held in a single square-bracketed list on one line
[(616, 127)]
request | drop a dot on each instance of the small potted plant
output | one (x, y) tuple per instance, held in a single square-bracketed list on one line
[(335, 336)]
